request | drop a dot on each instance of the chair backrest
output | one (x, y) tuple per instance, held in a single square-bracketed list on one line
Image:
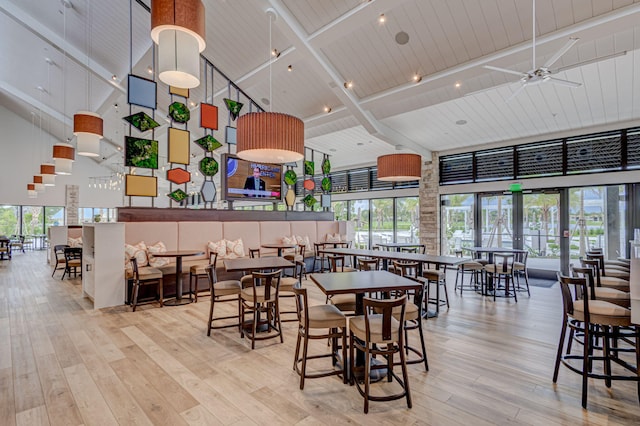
[(271, 282), (406, 269), (211, 270), (600, 258), (71, 253), (384, 307), (521, 256), (594, 265), (336, 263), (409, 249), (586, 273), (568, 300), (58, 249), (368, 264), (317, 247), (254, 253), (302, 305), (503, 262), (134, 266)]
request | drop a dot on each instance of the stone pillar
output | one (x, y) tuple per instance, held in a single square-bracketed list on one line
[(430, 204)]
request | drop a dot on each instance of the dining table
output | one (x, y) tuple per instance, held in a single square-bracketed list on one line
[(178, 254), (361, 283), (400, 246), (279, 246), (492, 251), (250, 264)]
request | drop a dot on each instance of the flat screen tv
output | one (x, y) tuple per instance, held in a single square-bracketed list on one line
[(250, 181)]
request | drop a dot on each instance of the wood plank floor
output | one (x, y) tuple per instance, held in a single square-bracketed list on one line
[(62, 363)]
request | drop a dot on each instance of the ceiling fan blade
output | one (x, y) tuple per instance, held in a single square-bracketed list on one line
[(552, 60), (519, 74), (590, 61), (563, 82), (515, 92)]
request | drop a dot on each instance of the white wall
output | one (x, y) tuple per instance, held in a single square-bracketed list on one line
[(20, 159)]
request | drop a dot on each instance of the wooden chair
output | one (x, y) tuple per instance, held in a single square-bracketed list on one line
[(594, 319), (612, 295), (502, 268), (262, 298), (609, 282), (221, 292), (72, 261), (321, 317), (298, 256), (337, 264), (254, 253), (318, 256), (520, 269), (413, 312), (17, 242), (200, 271), (5, 249), (609, 270), (287, 285), (368, 264), (58, 251), (379, 334), (472, 269), (151, 276), (344, 302)]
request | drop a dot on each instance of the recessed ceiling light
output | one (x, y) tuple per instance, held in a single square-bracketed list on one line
[(327, 109), (114, 77), (382, 19), (461, 122), (417, 78), (348, 84), (458, 85), (149, 70), (289, 68), (275, 53), (402, 38)]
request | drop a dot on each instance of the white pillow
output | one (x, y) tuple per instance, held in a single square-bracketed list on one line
[(218, 247), (343, 238), (74, 242), (289, 240), (139, 251), (332, 238), (235, 249), (304, 241), (157, 262)]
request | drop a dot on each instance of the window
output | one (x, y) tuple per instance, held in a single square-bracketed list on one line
[(359, 214), (381, 221), (457, 225), (9, 220), (407, 220)]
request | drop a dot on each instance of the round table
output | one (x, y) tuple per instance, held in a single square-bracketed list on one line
[(279, 246), (178, 254)]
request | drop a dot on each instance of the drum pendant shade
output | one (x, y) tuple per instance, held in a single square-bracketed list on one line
[(270, 137), (31, 190), (178, 28), (399, 167), (63, 156), (48, 173), (88, 128)]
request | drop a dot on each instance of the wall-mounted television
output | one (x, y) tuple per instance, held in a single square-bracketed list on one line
[(250, 180)]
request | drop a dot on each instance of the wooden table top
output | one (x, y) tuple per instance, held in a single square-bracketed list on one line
[(178, 253), (362, 282), (279, 246), (493, 250), (412, 257), (255, 264)]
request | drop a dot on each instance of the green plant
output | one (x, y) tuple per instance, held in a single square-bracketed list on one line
[(290, 177)]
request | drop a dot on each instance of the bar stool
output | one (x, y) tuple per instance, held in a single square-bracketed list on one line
[(312, 318), (318, 255), (520, 268), (437, 277), (198, 271), (497, 271), (607, 294), (151, 276), (379, 334), (220, 292), (609, 282), (474, 270), (262, 298), (595, 319), (337, 264), (287, 285)]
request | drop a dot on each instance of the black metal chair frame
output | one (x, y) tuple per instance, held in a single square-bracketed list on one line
[(72, 253)]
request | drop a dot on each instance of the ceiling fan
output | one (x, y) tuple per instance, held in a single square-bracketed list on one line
[(541, 74)]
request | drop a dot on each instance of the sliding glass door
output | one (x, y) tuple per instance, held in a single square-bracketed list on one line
[(541, 229), (496, 225)]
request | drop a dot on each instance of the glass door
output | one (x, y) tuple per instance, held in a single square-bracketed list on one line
[(496, 220), (541, 229)]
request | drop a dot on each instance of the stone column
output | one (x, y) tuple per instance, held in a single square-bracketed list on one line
[(430, 204)]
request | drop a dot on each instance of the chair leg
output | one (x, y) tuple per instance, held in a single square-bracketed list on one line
[(563, 332), (405, 377), (303, 369), (366, 378), (344, 358), (210, 315), (161, 285), (135, 296), (297, 352), (446, 293), (424, 349), (585, 365)]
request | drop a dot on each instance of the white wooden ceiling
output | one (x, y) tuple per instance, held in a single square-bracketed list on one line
[(329, 42)]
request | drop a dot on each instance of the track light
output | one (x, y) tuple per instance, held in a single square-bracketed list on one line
[(348, 84), (327, 109), (382, 19), (417, 78), (289, 68), (275, 53)]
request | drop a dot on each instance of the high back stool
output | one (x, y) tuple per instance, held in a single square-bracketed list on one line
[(438, 278), (311, 319), (595, 319), (258, 299), (222, 291)]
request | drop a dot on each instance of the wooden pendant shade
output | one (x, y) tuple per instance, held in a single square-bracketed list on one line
[(399, 167), (270, 137)]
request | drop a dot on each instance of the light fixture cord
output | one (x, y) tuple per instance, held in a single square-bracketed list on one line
[(64, 73), (271, 56), (533, 62), (88, 38)]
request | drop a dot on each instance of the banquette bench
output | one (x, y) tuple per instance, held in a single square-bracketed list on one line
[(197, 235)]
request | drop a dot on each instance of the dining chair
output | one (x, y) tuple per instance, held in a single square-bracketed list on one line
[(609, 282), (262, 298), (17, 242), (595, 320), (287, 284), (379, 334), (520, 269), (501, 268), (608, 294), (337, 264), (58, 251), (344, 302), (151, 277), (368, 264), (310, 320), (198, 271), (319, 256), (72, 261), (5, 249), (222, 292)]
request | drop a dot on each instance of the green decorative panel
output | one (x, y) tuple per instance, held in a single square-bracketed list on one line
[(209, 166), (234, 107), (179, 112), (309, 167), (178, 195), (326, 166), (326, 184), (309, 201), (208, 143), (290, 177), (141, 121)]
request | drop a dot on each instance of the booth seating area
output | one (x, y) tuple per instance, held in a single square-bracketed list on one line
[(198, 235)]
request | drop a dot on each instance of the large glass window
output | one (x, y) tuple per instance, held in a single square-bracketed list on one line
[(53, 216), (457, 225), (407, 220), (359, 214), (497, 223), (339, 209), (541, 229), (32, 220), (381, 221), (9, 220)]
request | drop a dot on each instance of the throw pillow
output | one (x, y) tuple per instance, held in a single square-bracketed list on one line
[(235, 249), (157, 262), (332, 238), (289, 240), (74, 242), (304, 241), (139, 251), (218, 247)]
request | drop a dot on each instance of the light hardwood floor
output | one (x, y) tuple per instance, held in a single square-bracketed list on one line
[(63, 363)]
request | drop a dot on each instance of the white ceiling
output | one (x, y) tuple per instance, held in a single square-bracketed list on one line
[(328, 42)]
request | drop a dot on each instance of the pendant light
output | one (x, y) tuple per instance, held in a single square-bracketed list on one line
[(31, 190), (399, 167), (48, 173), (88, 126), (270, 137), (37, 182), (178, 28)]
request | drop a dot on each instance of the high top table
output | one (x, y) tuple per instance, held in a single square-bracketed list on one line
[(256, 264), (179, 254), (279, 247), (400, 246)]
